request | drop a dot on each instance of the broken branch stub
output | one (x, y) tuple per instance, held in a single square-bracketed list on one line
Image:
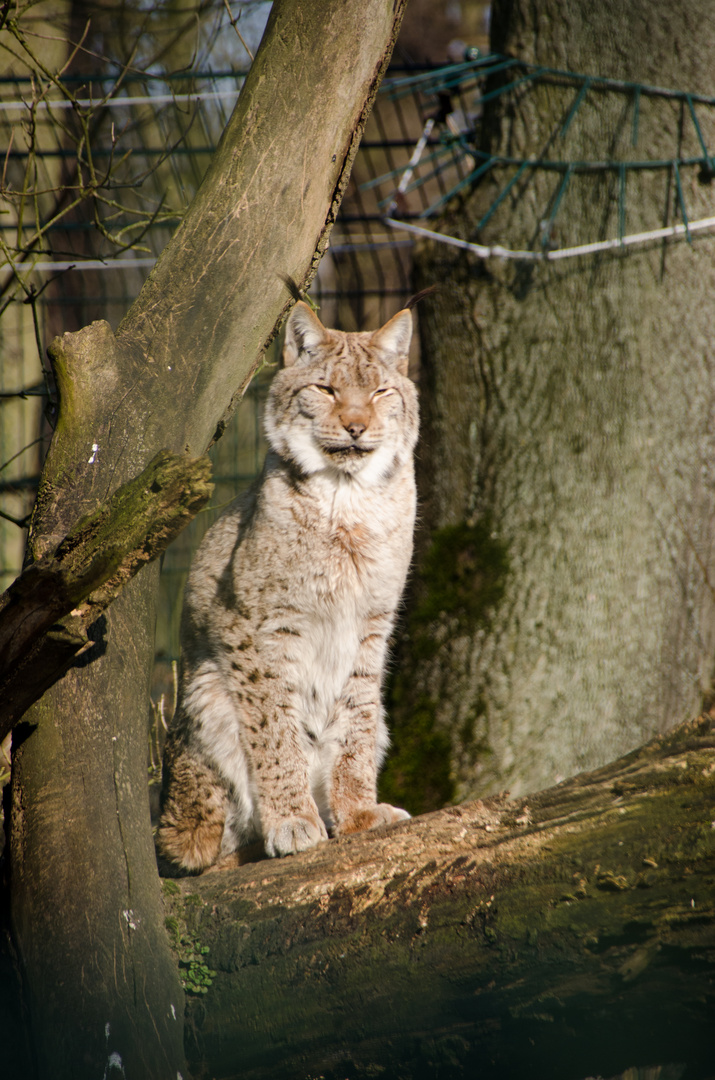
[(46, 613)]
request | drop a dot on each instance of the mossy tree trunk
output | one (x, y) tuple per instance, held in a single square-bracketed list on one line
[(563, 606), (100, 987), (561, 935)]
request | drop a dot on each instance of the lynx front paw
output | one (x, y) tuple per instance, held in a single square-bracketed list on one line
[(295, 834), (370, 817)]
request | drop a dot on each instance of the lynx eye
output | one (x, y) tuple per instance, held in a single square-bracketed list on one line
[(324, 389), (382, 390)]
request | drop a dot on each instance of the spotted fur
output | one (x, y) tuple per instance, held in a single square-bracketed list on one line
[(279, 731)]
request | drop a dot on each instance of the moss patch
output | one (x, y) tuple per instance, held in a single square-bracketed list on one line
[(417, 772), (462, 576), (459, 584)]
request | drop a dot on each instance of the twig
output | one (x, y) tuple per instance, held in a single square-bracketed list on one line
[(32, 301), (7, 158), (21, 523), (72, 55), (234, 24)]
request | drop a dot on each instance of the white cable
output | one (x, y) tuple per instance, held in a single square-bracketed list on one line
[(142, 263), (412, 163), (80, 264), (498, 252), (121, 102)]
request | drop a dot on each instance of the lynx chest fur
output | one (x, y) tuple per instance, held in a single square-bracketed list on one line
[(279, 731)]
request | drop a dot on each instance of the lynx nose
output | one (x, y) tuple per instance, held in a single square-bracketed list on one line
[(355, 428)]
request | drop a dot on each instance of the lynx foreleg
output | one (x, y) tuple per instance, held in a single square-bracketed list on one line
[(290, 819)]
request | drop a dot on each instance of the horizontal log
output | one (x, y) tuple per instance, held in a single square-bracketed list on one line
[(47, 614), (566, 934)]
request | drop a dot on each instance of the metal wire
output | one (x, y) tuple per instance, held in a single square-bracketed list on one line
[(171, 127), (421, 149)]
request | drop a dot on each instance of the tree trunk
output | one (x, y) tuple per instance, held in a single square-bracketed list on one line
[(561, 935), (564, 608), (100, 986)]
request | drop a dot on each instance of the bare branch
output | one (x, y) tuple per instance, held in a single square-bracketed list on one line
[(234, 24), (21, 523)]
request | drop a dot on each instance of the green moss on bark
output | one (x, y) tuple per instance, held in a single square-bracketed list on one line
[(457, 587), (462, 576), (417, 772), (191, 954)]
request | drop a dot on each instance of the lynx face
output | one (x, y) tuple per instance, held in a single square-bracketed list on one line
[(343, 401)]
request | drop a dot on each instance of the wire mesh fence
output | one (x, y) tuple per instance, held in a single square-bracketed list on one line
[(140, 144), (147, 143)]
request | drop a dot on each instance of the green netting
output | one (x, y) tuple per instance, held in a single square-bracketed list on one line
[(454, 98)]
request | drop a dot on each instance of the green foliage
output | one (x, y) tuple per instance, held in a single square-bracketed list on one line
[(195, 975)]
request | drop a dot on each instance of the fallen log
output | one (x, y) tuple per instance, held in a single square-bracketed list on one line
[(565, 934)]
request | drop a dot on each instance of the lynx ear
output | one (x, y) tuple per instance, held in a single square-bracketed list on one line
[(394, 340), (304, 331)]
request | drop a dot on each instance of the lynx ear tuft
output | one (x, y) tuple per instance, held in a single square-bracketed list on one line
[(414, 300), (393, 339), (304, 331)]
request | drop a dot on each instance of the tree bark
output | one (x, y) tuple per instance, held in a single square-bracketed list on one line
[(566, 934), (564, 608), (100, 986)]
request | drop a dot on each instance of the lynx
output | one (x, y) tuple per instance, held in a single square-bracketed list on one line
[(279, 730)]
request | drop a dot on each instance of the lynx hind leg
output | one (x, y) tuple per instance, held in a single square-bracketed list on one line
[(194, 807), (353, 791), (370, 817)]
